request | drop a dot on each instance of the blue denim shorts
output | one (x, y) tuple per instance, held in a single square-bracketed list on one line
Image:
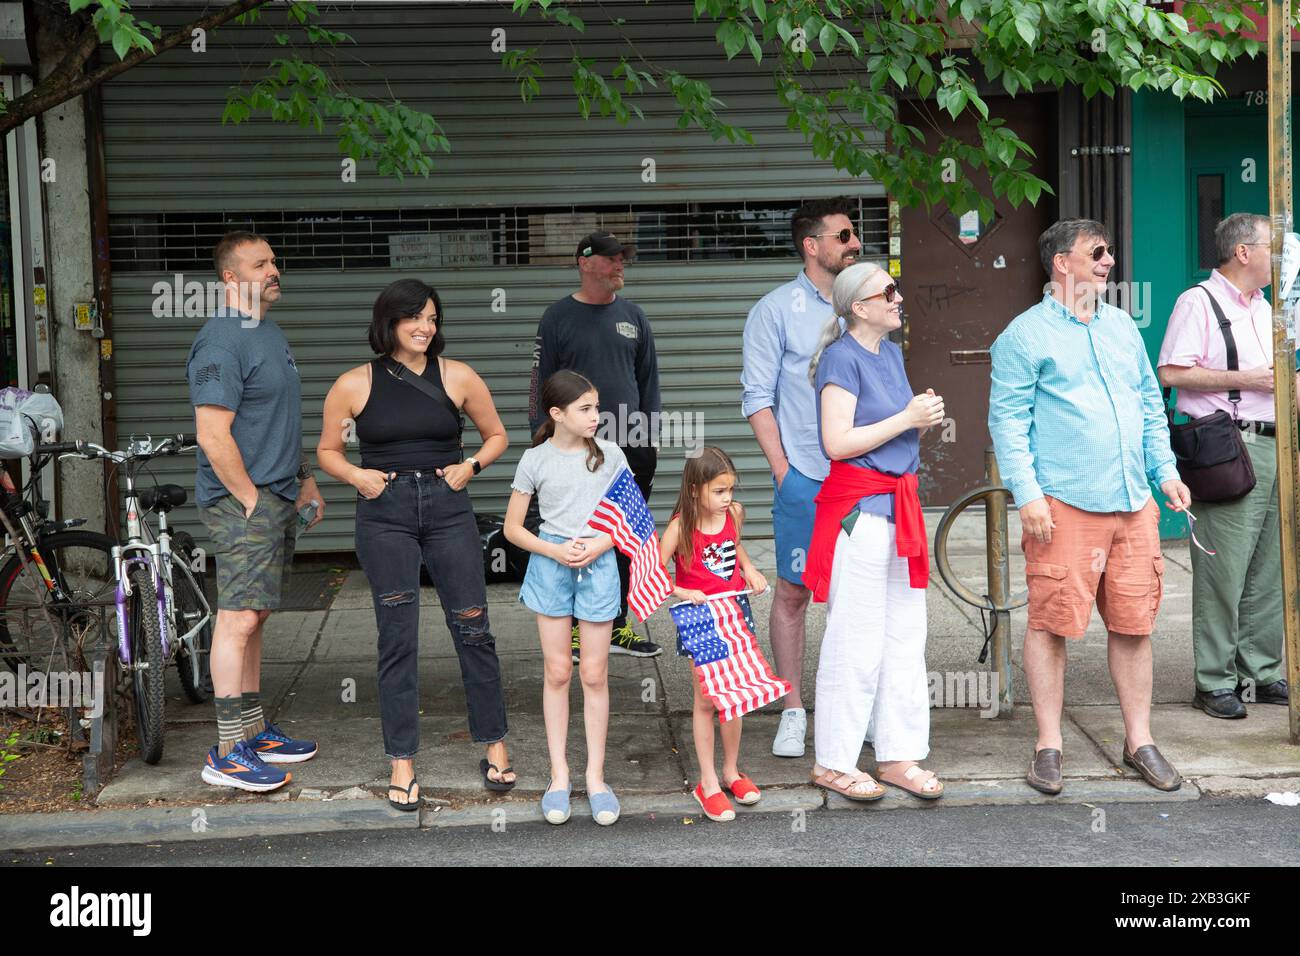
[(555, 590), (793, 512)]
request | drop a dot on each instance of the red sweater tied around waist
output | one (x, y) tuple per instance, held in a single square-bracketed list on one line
[(843, 488)]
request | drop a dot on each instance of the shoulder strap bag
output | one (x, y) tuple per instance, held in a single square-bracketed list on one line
[(1210, 452), (404, 374)]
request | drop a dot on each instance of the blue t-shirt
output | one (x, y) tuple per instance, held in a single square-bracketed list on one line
[(247, 367), (880, 383)]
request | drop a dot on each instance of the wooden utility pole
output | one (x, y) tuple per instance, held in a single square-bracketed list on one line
[(1284, 392)]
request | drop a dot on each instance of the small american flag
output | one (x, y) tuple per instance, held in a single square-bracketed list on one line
[(622, 513), (728, 664)]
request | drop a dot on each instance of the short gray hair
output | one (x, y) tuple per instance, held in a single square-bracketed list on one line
[(1237, 229), (1060, 237)]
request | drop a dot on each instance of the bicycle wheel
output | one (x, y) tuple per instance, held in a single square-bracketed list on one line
[(188, 609), (82, 563), (148, 674)]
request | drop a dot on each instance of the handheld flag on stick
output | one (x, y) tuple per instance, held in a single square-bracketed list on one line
[(623, 515), (728, 664)]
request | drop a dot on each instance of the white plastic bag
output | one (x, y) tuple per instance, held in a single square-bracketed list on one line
[(26, 419)]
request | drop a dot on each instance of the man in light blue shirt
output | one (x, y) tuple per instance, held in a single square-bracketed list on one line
[(1079, 429), (783, 330)]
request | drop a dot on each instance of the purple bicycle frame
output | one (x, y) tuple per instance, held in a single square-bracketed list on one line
[(123, 641)]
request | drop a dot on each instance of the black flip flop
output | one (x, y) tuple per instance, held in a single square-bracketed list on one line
[(499, 786), (410, 804)]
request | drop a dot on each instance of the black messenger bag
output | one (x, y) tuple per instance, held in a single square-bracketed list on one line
[(1211, 454)]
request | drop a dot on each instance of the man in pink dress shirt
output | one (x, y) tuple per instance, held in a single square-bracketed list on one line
[(1236, 595)]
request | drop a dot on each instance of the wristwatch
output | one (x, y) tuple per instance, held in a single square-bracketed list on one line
[(474, 462), (304, 472)]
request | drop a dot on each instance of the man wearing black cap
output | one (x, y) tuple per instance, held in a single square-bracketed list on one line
[(603, 336)]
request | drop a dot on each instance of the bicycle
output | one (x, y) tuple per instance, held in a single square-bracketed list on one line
[(163, 615), (71, 574)]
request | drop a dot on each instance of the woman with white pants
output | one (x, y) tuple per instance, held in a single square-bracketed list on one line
[(868, 557)]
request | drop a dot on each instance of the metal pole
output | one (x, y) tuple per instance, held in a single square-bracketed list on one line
[(999, 576), (1284, 392)]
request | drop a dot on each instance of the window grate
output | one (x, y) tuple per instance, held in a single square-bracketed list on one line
[(479, 236)]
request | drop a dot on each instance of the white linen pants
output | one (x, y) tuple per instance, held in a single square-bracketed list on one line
[(872, 666)]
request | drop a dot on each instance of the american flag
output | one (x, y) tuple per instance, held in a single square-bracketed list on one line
[(728, 664), (622, 513)]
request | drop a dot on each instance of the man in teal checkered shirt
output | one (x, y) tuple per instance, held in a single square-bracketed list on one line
[(1080, 433)]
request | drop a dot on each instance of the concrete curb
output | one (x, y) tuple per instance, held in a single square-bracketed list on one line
[(663, 804), (225, 821), (26, 831)]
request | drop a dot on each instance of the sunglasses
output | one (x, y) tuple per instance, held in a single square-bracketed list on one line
[(844, 235), (1100, 251), (888, 292)]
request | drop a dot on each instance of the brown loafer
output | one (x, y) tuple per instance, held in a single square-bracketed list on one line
[(1045, 771), (1154, 768)]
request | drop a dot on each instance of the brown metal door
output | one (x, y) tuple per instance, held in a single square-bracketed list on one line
[(963, 281)]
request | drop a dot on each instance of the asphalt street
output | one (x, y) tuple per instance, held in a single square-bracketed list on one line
[(1196, 834)]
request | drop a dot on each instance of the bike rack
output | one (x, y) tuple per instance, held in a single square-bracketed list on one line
[(98, 644), (998, 600)]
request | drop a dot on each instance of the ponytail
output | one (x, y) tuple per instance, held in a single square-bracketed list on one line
[(830, 334)]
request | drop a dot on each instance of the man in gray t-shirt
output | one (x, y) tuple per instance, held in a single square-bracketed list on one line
[(250, 485), (246, 367)]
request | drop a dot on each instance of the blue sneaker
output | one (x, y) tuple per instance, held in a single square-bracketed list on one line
[(274, 747), (242, 768)]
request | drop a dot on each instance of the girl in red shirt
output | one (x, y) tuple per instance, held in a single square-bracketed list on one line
[(703, 540)]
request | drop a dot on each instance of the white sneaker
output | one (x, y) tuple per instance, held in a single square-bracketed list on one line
[(789, 741)]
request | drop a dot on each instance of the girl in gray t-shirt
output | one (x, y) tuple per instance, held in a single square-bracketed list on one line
[(572, 576)]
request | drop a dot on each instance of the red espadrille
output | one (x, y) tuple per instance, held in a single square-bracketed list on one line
[(716, 807), (743, 789)]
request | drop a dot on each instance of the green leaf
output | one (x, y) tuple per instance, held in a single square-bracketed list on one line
[(827, 39), (122, 44), (956, 102), (76, 5), (732, 37), (755, 48), (899, 75), (1026, 30)]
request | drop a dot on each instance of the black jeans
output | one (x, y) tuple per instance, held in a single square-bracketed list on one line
[(418, 518), (643, 462)]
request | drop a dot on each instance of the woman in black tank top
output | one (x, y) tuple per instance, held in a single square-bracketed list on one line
[(405, 409)]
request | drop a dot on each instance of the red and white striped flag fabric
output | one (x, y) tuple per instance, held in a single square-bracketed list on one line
[(624, 516), (728, 664)]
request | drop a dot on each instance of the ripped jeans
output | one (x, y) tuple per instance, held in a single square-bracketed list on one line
[(418, 518)]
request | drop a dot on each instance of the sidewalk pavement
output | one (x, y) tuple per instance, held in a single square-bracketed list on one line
[(318, 681)]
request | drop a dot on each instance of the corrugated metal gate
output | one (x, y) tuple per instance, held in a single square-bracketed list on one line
[(712, 225)]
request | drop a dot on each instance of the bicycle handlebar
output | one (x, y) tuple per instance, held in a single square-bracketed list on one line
[(168, 445), (58, 448)]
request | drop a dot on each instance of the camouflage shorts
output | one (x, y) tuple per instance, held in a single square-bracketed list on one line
[(253, 554)]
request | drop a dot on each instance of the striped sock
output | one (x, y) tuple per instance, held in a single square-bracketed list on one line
[(251, 717), (230, 729)]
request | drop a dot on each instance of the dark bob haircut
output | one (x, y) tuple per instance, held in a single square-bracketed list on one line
[(402, 300)]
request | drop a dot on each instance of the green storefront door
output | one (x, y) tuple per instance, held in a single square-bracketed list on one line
[(1227, 172)]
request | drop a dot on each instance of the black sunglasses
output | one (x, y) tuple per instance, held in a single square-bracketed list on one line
[(1100, 251), (888, 292), (844, 235)]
